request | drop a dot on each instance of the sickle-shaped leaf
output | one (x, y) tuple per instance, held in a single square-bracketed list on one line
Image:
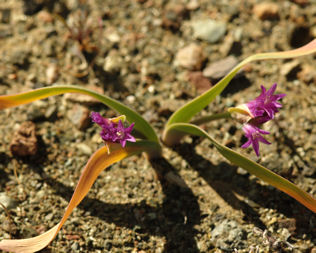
[(186, 112), (100, 160), (251, 166), (141, 124)]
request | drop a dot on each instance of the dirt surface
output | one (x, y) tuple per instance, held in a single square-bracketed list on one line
[(154, 56)]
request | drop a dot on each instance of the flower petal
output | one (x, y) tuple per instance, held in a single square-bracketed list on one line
[(265, 104), (253, 133), (271, 90), (247, 144), (255, 145)]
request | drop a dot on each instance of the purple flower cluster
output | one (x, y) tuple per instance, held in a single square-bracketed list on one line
[(261, 109), (112, 131)]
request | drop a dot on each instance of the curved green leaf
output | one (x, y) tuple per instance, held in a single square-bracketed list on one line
[(186, 112), (100, 160), (141, 125), (251, 166)]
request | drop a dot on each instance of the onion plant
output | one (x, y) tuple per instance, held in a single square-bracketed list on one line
[(117, 134)]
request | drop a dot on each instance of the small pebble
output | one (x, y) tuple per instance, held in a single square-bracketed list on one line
[(190, 57), (113, 62), (193, 5), (51, 111), (209, 30), (217, 70), (7, 201), (290, 69), (266, 10), (45, 16), (174, 16), (79, 116), (24, 141), (227, 234), (200, 82), (84, 148), (75, 246), (51, 73), (130, 99)]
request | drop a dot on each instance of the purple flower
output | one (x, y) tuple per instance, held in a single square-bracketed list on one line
[(124, 134), (253, 133), (257, 112), (97, 118), (112, 131), (265, 105)]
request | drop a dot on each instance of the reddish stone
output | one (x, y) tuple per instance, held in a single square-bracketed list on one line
[(79, 116), (24, 142), (200, 82)]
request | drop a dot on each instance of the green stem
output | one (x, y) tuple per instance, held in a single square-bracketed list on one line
[(208, 118), (171, 137)]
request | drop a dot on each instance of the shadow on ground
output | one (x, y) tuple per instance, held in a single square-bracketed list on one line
[(174, 219), (226, 181)]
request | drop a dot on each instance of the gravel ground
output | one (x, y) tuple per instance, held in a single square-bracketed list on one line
[(154, 56)]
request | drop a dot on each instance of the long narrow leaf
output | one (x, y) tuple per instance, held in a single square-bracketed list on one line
[(251, 166), (185, 113), (141, 124), (98, 162)]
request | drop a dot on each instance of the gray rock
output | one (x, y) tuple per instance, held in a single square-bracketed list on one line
[(227, 235), (51, 112), (8, 202), (209, 30), (49, 216), (75, 246), (219, 69), (113, 62), (85, 149), (173, 16)]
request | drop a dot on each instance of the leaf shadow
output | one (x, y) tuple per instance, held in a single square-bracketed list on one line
[(308, 169), (174, 219), (237, 84), (109, 80), (218, 178), (225, 180)]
